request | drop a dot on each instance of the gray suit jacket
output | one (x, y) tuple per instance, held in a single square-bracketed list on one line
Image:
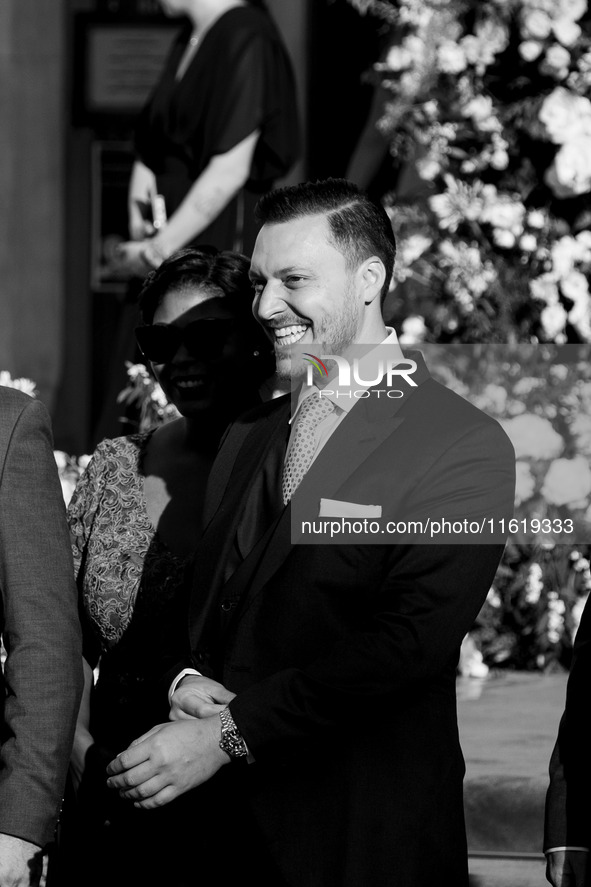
[(41, 684)]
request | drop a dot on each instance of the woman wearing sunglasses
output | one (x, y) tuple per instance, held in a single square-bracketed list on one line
[(134, 519)]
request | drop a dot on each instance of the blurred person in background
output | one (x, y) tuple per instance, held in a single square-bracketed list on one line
[(135, 518), (220, 127), (41, 677)]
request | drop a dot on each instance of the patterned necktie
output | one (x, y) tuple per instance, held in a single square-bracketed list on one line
[(303, 443)]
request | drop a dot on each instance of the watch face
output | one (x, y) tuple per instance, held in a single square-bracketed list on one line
[(231, 742)]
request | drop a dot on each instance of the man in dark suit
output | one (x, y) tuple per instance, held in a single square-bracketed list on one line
[(567, 831), (338, 659), (41, 683)]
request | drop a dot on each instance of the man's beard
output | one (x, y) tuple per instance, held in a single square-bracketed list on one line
[(333, 336)]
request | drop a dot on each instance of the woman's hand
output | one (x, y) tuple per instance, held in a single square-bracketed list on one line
[(142, 185), (129, 259), (140, 225)]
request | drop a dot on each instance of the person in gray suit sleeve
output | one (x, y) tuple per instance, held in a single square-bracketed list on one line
[(41, 679)]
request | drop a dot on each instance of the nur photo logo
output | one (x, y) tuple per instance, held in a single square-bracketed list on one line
[(355, 376)]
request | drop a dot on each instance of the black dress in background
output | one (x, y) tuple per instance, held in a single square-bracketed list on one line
[(239, 80)]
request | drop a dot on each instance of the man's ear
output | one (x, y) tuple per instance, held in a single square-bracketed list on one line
[(372, 275)]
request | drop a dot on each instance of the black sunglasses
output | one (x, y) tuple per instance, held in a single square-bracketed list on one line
[(203, 339)]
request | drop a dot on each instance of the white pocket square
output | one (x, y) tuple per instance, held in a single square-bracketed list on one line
[(338, 508)]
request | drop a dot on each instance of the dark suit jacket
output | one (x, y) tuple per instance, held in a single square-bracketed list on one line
[(344, 656), (42, 681), (568, 817)]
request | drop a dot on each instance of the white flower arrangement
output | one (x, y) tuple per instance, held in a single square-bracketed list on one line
[(146, 396), (490, 103), (21, 384)]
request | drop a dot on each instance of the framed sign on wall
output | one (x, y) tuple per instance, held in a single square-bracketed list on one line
[(116, 63)]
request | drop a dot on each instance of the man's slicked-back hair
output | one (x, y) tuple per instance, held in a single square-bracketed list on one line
[(359, 227)]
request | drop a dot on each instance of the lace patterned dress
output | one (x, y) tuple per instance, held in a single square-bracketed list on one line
[(131, 594)]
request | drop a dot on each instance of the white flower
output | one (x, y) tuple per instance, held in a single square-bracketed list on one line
[(565, 115), (556, 610), (576, 287), (568, 251), (471, 662), (553, 318), (398, 58), (583, 241), (536, 24), (428, 168), (528, 243), (158, 396), (570, 10), (413, 247), (505, 212), (525, 483), (450, 57), (559, 371), (445, 211), (526, 385), (503, 238), (545, 288), (430, 108), (581, 429), (529, 50), (534, 584), (570, 173), (413, 330), (496, 396), (566, 31), (536, 218), (490, 39), (22, 384), (137, 371), (499, 159), (479, 108), (493, 598), (557, 60), (533, 436), (568, 482)]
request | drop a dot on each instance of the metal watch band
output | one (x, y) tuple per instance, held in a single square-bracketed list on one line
[(231, 742)]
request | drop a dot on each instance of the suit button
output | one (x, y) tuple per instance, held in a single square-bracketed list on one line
[(227, 606)]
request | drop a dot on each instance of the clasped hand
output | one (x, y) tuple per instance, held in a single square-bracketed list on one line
[(567, 868), (171, 759), (128, 259)]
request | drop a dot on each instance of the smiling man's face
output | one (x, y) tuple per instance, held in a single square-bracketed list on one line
[(304, 292)]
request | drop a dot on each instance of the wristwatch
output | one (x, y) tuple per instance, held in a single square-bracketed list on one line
[(232, 742)]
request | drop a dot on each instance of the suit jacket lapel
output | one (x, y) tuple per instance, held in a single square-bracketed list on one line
[(241, 455), (369, 424)]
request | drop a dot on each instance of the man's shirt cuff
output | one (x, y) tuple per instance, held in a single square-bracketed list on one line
[(179, 678), (555, 849)]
